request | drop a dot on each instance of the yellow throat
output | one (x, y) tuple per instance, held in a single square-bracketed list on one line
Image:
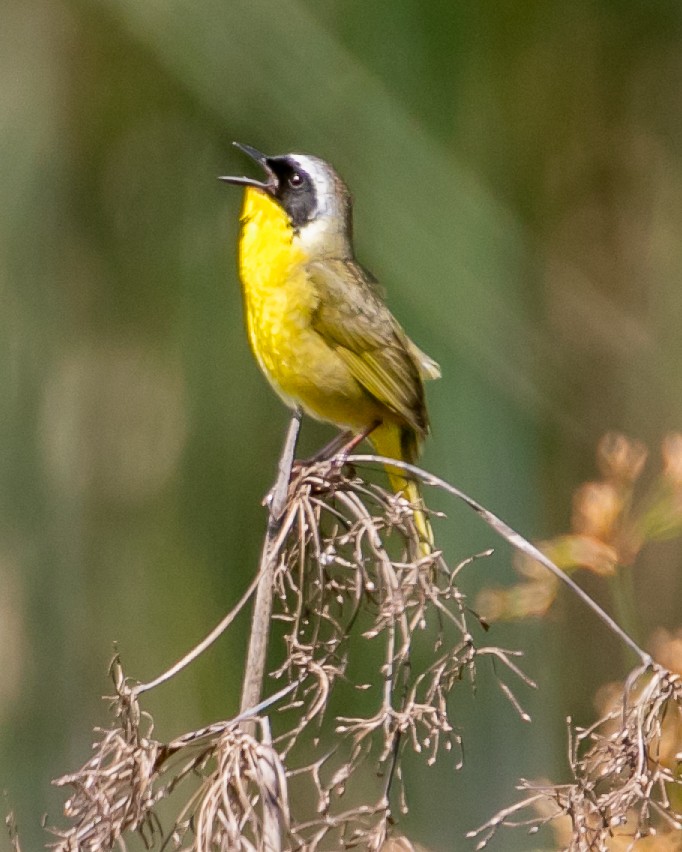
[(276, 298)]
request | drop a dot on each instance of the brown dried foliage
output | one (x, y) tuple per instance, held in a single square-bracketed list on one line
[(613, 518), (114, 792), (627, 785), (347, 585)]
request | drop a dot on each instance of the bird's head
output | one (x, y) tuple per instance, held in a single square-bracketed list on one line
[(311, 194)]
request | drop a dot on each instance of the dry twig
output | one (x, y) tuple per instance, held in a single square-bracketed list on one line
[(338, 561), (341, 574), (625, 784)]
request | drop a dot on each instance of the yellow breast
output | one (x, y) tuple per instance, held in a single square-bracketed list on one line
[(280, 301)]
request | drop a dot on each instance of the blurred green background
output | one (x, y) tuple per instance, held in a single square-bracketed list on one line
[(517, 173)]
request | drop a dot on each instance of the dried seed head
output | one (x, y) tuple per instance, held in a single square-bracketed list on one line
[(620, 459), (672, 459)]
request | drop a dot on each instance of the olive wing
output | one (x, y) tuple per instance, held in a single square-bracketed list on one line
[(353, 319)]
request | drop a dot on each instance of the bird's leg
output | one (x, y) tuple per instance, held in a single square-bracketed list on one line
[(341, 446), (347, 448), (351, 443), (337, 443), (336, 452), (340, 457), (327, 452)]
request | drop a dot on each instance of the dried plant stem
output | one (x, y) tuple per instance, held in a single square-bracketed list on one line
[(199, 649), (625, 778), (337, 568), (624, 599), (262, 608), (515, 539)]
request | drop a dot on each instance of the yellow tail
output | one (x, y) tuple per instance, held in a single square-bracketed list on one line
[(391, 440)]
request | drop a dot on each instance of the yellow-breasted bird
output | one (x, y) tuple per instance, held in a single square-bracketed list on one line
[(316, 320)]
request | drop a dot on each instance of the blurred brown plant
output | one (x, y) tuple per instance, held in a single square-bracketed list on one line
[(626, 791), (610, 526)]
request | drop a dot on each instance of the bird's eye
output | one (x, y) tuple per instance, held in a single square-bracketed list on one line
[(295, 180)]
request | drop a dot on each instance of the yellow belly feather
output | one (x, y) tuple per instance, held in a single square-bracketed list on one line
[(280, 301)]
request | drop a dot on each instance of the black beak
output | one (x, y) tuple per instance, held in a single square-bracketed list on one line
[(262, 160)]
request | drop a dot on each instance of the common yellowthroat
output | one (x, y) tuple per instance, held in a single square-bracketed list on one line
[(317, 323)]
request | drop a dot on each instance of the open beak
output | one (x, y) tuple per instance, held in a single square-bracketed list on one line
[(262, 160)]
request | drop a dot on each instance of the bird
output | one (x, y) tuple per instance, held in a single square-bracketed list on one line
[(317, 321)]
